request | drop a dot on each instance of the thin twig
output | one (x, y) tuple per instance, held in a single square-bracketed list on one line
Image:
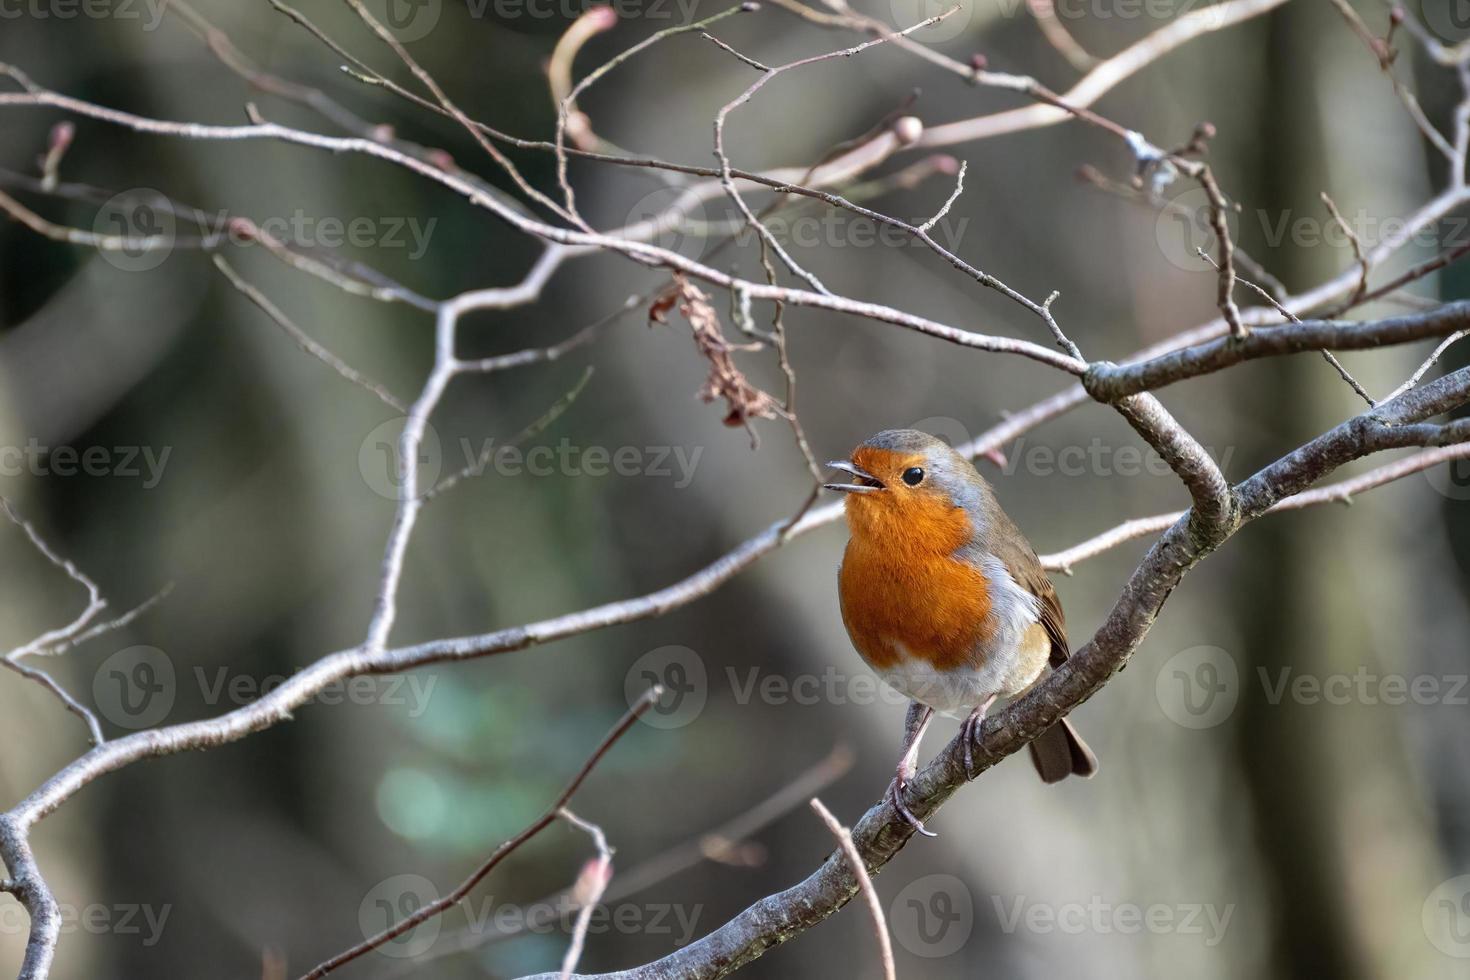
[(560, 72), (726, 170), (722, 844), (1428, 363), (860, 871), (108, 626), (305, 341), (94, 728), (460, 891), (391, 40), (1327, 355), (589, 888), (1358, 253), (95, 602), (959, 188), (489, 451), (547, 355)]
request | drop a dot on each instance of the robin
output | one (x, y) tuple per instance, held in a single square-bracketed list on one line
[(945, 599)]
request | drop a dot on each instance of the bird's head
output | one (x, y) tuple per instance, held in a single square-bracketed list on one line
[(912, 490)]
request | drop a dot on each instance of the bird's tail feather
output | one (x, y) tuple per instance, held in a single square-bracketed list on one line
[(1060, 752)]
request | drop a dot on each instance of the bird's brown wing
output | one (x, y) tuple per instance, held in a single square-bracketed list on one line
[(1051, 614), (1059, 752), (1026, 569)]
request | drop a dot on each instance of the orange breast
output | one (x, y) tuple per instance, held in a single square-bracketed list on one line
[(898, 584)]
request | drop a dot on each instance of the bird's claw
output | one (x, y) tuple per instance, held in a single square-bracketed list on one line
[(970, 733), (896, 792)]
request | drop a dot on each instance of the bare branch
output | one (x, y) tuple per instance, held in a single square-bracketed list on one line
[(1106, 76), (577, 242), (1342, 492), (1108, 382), (1405, 419), (883, 832), (1057, 35)]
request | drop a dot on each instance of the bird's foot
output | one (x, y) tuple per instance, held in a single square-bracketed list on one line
[(970, 732), (896, 791)]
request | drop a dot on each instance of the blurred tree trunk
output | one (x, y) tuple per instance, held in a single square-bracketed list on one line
[(1332, 788)]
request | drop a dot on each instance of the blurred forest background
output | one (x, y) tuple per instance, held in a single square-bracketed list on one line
[(1320, 829)]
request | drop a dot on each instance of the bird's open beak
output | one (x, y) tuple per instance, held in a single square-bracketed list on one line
[(872, 484)]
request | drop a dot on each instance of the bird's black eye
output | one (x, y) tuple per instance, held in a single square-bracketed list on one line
[(913, 476)]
